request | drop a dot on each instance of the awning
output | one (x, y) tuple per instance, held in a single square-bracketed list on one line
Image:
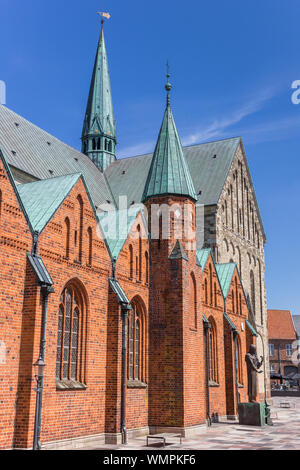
[(117, 289), (231, 324), (40, 269), (251, 328)]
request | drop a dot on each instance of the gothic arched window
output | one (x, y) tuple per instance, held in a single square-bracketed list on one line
[(131, 261), (80, 219), (213, 352), (90, 241), (70, 337), (205, 292), (147, 267), (136, 344), (252, 284), (193, 302), (210, 285), (67, 239)]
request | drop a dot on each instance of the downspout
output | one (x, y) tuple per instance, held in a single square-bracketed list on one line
[(124, 309), (207, 326), (45, 291)]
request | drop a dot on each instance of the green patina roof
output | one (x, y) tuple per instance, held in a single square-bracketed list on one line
[(251, 327), (99, 116), (128, 175), (225, 273), (178, 252), (41, 199), (231, 324), (116, 226), (202, 257), (37, 153), (169, 172)]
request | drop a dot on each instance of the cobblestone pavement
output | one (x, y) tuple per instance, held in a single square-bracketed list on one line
[(284, 435)]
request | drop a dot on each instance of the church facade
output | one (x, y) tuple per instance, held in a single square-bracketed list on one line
[(137, 285)]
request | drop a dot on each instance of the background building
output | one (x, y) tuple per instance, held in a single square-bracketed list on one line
[(282, 343)]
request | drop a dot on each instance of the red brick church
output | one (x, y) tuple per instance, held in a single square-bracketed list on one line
[(115, 320)]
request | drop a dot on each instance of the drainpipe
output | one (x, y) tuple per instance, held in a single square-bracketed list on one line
[(235, 333), (45, 291), (125, 308), (207, 326)]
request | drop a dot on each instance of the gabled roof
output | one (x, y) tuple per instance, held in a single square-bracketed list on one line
[(14, 187), (230, 322), (41, 199), (225, 274), (99, 112), (280, 325), (128, 175), (116, 226), (35, 152), (169, 172), (202, 257), (178, 252)]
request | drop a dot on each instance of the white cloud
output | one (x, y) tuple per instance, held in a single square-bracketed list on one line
[(219, 127)]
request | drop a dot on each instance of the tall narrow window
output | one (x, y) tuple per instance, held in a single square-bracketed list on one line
[(231, 204), (94, 144), (70, 337), (147, 267), (233, 303), (252, 283), (240, 304), (236, 295), (226, 214), (90, 241), (67, 235), (205, 292), (213, 360), (80, 218), (193, 301), (210, 285), (215, 296), (131, 261), (139, 258), (136, 344)]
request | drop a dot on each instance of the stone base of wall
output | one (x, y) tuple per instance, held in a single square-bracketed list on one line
[(76, 443), (95, 441)]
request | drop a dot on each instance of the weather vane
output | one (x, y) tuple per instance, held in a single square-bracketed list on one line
[(168, 69), (103, 15)]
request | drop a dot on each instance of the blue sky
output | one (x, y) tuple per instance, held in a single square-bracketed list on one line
[(232, 66)]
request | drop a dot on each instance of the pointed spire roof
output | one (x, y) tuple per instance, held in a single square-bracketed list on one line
[(99, 116), (169, 172)]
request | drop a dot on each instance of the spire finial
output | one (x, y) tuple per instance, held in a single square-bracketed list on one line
[(103, 15), (168, 85)]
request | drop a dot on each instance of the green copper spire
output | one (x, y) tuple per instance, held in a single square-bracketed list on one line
[(99, 128), (169, 172)]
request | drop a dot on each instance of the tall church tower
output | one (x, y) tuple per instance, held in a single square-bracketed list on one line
[(99, 127), (175, 329)]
